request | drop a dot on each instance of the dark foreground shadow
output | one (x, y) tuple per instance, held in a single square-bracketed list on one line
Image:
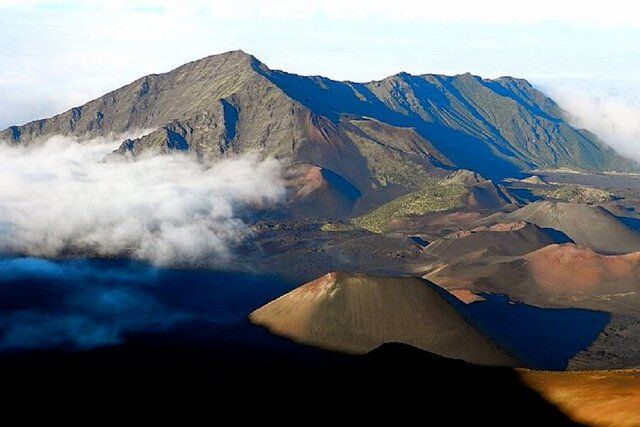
[(170, 338), (260, 381)]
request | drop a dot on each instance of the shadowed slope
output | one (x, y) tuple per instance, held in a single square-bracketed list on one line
[(543, 338), (496, 127)]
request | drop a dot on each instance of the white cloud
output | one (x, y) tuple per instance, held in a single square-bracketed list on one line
[(60, 199), (610, 111)]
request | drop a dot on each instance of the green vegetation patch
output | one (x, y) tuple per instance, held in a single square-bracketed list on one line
[(335, 227), (534, 179), (576, 194), (389, 166), (433, 196)]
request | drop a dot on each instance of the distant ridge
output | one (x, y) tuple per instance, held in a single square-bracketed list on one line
[(382, 136)]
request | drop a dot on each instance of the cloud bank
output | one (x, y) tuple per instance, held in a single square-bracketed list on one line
[(610, 111), (61, 199)]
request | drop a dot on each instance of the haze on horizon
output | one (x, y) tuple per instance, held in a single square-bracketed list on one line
[(56, 54)]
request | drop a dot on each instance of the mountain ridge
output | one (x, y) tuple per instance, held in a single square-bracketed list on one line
[(382, 136)]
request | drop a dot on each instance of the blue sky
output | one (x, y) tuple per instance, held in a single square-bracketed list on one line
[(57, 54)]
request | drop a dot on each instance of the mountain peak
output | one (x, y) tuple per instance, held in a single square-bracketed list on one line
[(232, 102), (232, 58), (238, 55), (513, 80), (230, 54)]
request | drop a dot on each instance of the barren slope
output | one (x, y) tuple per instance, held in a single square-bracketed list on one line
[(355, 313), (588, 225), (502, 239), (597, 398), (565, 275)]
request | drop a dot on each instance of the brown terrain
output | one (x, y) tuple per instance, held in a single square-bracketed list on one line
[(566, 275), (311, 186), (502, 239), (355, 313), (595, 398), (553, 275)]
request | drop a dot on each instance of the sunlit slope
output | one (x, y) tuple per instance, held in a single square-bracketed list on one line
[(355, 313)]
